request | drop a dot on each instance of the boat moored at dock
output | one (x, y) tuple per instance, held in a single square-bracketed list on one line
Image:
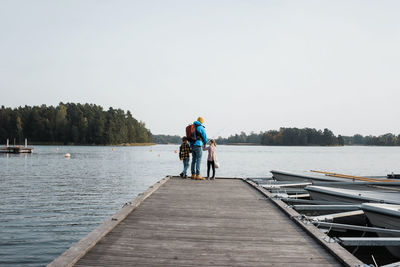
[(353, 196), (337, 180), (287, 176), (346, 211), (385, 216)]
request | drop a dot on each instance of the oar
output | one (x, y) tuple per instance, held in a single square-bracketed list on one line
[(359, 178)]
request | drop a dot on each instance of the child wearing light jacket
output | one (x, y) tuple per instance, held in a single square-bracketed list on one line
[(212, 148)]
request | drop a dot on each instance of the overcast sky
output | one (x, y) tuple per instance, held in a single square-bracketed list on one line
[(242, 65)]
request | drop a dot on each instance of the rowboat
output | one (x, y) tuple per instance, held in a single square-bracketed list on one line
[(339, 180), (344, 195), (286, 176), (384, 216)]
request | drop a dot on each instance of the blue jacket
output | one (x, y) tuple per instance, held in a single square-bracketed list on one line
[(200, 132)]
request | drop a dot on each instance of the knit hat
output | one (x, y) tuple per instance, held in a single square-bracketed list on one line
[(200, 119)]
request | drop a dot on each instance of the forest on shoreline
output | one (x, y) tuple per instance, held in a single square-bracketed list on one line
[(89, 124), (295, 137), (83, 124)]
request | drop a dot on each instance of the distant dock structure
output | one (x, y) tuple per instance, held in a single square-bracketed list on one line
[(16, 149)]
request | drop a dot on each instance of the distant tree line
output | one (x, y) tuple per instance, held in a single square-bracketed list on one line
[(294, 137), (382, 140), (166, 139), (89, 124), (286, 137), (242, 138), (308, 137), (71, 124)]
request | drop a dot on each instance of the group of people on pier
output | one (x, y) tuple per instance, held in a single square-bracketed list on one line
[(195, 143)]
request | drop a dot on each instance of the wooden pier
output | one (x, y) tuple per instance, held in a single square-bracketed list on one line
[(16, 149), (226, 222)]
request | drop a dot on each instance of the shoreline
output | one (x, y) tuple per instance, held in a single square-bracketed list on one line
[(153, 144), (72, 144)]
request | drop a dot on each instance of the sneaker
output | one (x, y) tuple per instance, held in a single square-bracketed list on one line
[(185, 176), (181, 174), (193, 176)]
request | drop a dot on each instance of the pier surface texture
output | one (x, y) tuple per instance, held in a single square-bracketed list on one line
[(224, 222)]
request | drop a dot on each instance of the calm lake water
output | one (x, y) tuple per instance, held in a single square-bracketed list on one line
[(48, 202)]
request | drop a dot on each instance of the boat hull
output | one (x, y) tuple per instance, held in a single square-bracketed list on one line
[(384, 216), (285, 176), (323, 180), (353, 196), (333, 198)]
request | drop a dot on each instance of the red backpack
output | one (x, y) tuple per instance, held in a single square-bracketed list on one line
[(191, 133)]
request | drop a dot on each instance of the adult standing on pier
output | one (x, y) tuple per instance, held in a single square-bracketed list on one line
[(197, 148)]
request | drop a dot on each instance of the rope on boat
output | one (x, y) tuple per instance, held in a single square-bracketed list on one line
[(373, 258)]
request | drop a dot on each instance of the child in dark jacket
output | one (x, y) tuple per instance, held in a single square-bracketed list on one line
[(184, 155)]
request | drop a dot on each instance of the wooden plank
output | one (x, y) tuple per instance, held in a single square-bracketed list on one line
[(332, 216), (77, 251), (344, 256), (205, 223)]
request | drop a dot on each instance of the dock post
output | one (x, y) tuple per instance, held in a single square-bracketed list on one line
[(7, 145), (26, 142)]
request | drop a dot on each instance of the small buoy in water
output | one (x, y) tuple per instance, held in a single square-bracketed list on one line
[(158, 155), (113, 149), (67, 155), (175, 151), (151, 150)]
